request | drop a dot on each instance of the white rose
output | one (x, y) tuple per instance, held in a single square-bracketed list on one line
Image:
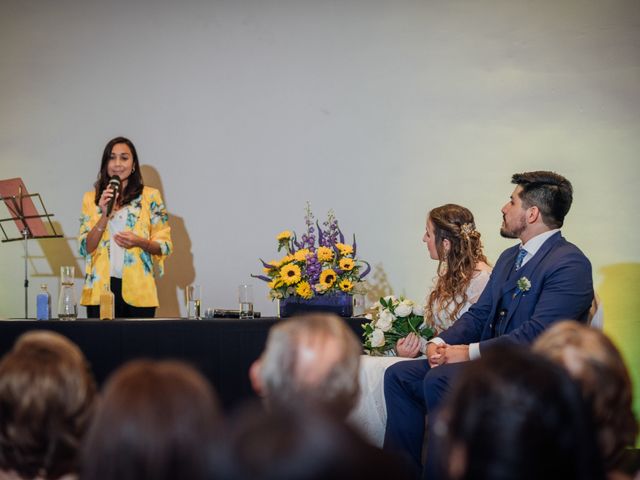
[(377, 338), (418, 310), (390, 298), (404, 309), (385, 320)]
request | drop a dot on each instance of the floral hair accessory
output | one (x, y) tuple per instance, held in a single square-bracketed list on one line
[(467, 229), (523, 284)]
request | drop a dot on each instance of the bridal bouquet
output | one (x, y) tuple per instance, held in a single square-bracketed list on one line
[(317, 263), (391, 319)]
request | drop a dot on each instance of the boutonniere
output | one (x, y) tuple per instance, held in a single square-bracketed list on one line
[(523, 284)]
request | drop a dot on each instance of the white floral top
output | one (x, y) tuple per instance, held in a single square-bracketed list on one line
[(474, 290)]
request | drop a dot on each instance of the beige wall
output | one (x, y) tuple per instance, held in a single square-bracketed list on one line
[(242, 111)]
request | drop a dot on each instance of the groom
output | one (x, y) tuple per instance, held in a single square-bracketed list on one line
[(542, 280)]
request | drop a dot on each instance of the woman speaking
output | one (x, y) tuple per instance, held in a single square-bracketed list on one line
[(124, 230)]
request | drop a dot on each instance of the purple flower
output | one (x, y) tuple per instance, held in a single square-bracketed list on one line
[(261, 277), (367, 270)]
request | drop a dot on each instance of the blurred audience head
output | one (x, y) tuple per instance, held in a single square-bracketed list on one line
[(594, 361), (156, 420), (47, 396), (311, 359), (514, 414), (298, 443)]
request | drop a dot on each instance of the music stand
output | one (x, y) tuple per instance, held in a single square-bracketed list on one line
[(28, 221)]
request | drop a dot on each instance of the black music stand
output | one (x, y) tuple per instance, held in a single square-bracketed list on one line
[(28, 220)]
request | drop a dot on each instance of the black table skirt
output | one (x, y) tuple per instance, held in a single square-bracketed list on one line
[(222, 349)]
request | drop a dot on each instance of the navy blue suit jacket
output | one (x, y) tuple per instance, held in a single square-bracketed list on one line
[(561, 289)]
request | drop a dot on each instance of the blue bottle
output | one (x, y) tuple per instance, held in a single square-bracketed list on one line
[(43, 304)]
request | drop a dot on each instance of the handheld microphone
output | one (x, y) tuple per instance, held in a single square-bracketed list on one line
[(114, 183)]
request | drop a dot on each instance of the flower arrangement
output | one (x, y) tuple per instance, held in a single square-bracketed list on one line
[(311, 268), (391, 319)]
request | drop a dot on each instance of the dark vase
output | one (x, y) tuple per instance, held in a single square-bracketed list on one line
[(339, 303)]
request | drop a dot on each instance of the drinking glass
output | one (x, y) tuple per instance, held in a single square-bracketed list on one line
[(194, 297), (245, 299), (359, 306)]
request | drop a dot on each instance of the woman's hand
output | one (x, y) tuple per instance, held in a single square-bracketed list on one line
[(129, 240), (107, 193), (408, 346)]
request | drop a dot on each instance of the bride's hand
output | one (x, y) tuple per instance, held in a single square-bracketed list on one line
[(408, 346)]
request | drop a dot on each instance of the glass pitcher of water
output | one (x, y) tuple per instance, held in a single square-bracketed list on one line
[(67, 305)]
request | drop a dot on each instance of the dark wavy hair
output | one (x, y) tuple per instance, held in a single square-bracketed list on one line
[(134, 185), (550, 192), (455, 267), (156, 419), (47, 398), (298, 442), (594, 361), (515, 414)]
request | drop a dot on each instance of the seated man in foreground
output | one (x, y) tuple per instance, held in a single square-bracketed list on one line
[(542, 280), (313, 359)]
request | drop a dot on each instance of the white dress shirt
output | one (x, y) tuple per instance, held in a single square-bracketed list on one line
[(117, 224)]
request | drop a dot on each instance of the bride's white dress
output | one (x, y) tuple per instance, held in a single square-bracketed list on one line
[(369, 416)]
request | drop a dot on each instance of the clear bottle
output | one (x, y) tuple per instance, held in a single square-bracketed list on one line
[(67, 305), (107, 304), (43, 303)]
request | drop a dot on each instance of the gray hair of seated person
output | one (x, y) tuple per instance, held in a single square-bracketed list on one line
[(313, 358)]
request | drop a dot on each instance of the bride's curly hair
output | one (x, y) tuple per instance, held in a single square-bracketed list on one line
[(455, 266)]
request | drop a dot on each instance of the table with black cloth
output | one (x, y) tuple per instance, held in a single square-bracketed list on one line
[(222, 349)]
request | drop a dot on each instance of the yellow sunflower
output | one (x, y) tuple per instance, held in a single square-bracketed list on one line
[(345, 285), (301, 255), (286, 259), (346, 264), (325, 254), (304, 290), (285, 235), (275, 283), (327, 278), (290, 274), (344, 248)]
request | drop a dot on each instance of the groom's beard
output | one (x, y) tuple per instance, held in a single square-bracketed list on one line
[(513, 231)]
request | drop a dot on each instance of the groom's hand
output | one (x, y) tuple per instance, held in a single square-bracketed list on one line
[(434, 354), (455, 353)]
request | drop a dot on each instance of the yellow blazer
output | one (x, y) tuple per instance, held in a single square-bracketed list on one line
[(148, 219)]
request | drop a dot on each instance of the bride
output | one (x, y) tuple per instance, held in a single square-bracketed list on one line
[(462, 274)]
